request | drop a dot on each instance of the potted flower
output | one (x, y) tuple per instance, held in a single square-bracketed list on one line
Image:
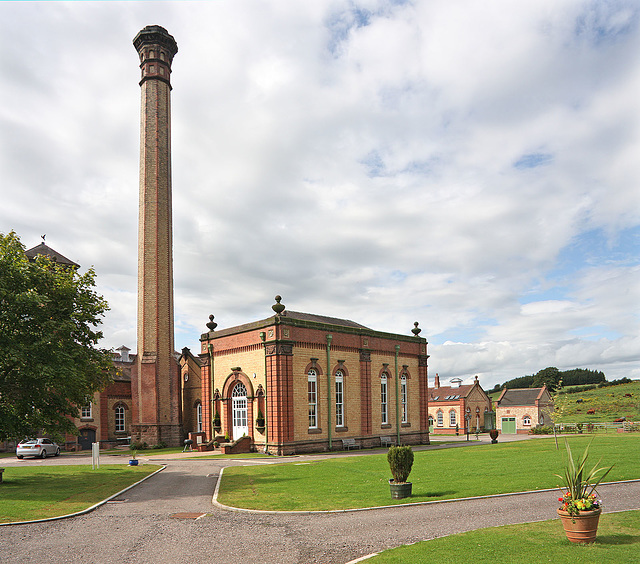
[(493, 433), (580, 507), (400, 460), (133, 461)]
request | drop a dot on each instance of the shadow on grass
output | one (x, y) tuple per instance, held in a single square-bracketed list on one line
[(617, 539), (418, 496)]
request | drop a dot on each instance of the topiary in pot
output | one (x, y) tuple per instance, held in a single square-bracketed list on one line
[(400, 460), (494, 436), (216, 421)]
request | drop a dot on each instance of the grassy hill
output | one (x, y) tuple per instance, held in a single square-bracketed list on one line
[(608, 404)]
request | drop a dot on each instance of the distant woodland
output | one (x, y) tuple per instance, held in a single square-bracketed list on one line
[(554, 379)]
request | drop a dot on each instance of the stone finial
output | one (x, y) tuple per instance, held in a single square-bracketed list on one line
[(416, 330), (278, 307), (212, 324)]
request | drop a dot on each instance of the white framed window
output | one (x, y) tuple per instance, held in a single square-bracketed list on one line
[(312, 395), (199, 418), (85, 412), (339, 398), (541, 419), (383, 399), (526, 420), (120, 420), (452, 418), (440, 418), (403, 396)]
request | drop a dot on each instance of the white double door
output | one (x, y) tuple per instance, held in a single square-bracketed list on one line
[(240, 411)]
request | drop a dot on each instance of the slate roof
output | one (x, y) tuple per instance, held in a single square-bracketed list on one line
[(43, 249), (322, 319), (445, 394), (519, 396)]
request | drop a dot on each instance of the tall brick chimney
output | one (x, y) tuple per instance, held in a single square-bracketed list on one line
[(156, 386)]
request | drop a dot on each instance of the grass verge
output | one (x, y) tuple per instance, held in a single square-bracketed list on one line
[(51, 491), (361, 481), (618, 541)]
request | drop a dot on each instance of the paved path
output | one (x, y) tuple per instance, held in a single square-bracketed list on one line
[(140, 527)]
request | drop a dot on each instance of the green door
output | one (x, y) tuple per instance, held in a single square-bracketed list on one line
[(509, 425), (430, 424)]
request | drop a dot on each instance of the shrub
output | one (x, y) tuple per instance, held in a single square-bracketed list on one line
[(541, 430), (400, 460)]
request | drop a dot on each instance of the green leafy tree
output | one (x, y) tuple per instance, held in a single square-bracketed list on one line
[(549, 376), (50, 363)]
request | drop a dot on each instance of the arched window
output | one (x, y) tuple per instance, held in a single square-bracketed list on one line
[(120, 420), (452, 418), (383, 399), (526, 420), (440, 418), (199, 417), (403, 395), (312, 395), (339, 398)]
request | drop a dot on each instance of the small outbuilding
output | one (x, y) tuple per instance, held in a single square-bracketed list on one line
[(519, 410)]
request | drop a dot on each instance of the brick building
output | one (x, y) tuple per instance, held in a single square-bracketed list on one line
[(449, 407), (298, 382), (521, 409)]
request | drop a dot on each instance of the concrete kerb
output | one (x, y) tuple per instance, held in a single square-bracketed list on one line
[(89, 509)]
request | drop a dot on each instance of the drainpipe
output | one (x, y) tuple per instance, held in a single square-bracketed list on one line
[(329, 339), (263, 337), (397, 399), (212, 388)]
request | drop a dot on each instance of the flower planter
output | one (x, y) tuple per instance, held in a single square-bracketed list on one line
[(401, 490), (581, 528), (133, 462)]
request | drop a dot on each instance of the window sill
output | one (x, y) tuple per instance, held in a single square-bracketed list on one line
[(405, 424), (315, 431), (385, 426), (341, 429)]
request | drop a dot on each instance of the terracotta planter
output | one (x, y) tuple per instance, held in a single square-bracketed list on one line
[(582, 527), (401, 490)]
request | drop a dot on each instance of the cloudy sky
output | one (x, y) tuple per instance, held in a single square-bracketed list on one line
[(469, 165)]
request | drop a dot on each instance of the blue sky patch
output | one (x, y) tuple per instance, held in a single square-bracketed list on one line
[(533, 160)]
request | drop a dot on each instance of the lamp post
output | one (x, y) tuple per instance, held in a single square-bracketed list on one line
[(467, 416)]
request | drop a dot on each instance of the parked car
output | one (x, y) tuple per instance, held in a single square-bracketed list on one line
[(37, 447)]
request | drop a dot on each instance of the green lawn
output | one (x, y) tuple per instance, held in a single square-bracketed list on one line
[(361, 481), (618, 541), (40, 492)]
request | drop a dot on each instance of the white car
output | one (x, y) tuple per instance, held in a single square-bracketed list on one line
[(37, 447)]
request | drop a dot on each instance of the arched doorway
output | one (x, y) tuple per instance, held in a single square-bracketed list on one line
[(240, 411)]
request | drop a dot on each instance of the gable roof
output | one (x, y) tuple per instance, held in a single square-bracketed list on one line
[(520, 396), (55, 256)]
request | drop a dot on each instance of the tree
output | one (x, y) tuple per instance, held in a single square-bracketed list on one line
[(50, 363), (549, 376)]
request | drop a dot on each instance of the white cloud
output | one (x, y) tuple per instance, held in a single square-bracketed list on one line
[(380, 161)]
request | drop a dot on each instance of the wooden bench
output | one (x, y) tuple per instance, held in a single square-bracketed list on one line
[(349, 444), (387, 441)]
